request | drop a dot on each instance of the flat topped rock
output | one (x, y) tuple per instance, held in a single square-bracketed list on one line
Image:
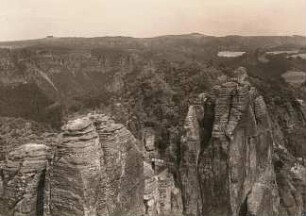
[(30, 150), (77, 124), (229, 84)]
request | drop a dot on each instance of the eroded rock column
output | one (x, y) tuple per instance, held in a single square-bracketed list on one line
[(235, 168), (122, 182), (75, 172), (190, 150)]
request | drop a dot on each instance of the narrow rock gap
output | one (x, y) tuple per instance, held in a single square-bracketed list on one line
[(40, 194), (207, 124), (244, 208)]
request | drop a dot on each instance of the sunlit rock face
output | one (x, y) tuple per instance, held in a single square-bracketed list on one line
[(236, 164), (75, 173), (239, 156), (190, 150), (22, 180), (96, 170), (96, 167), (122, 183), (230, 148), (151, 191)]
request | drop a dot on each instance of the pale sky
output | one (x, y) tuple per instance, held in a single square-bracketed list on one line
[(27, 19)]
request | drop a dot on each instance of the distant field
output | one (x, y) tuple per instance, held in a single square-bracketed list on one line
[(230, 54), (294, 77), (283, 52)]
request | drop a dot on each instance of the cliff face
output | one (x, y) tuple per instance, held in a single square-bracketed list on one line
[(190, 151), (75, 167), (93, 167), (22, 180), (238, 165), (97, 169)]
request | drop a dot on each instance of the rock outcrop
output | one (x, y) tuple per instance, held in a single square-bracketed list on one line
[(95, 167), (96, 170), (151, 192), (190, 151), (236, 165), (122, 181), (162, 196), (74, 174), (22, 180), (230, 145), (291, 181)]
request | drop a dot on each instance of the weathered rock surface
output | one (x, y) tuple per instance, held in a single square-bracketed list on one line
[(234, 160), (95, 167), (22, 179), (190, 150), (291, 181), (74, 174), (151, 192), (122, 184), (162, 196), (96, 170), (236, 165)]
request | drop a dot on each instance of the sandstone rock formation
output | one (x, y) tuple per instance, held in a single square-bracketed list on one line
[(291, 180), (236, 164), (233, 152), (95, 167), (151, 192), (74, 174), (190, 151), (122, 181), (22, 179), (162, 196), (96, 170)]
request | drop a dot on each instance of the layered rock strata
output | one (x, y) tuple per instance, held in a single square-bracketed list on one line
[(75, 172), (96, 170), (122, 184), (162, 196), (22, 177), (190, 150), (231, 149)]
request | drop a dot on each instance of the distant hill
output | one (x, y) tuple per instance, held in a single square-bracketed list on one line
[(244, 43), (73, 74)]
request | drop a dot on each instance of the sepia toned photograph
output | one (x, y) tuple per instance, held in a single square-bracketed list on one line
[(152, 108)]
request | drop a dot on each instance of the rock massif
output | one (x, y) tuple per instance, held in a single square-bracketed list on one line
[(93, 167), (229, 150), (74, 173), (97, 169), (236, 163)]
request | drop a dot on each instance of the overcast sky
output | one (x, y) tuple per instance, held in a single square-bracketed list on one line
[(26, 19)]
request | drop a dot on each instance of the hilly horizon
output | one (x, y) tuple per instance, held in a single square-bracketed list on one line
[(187, 35)]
